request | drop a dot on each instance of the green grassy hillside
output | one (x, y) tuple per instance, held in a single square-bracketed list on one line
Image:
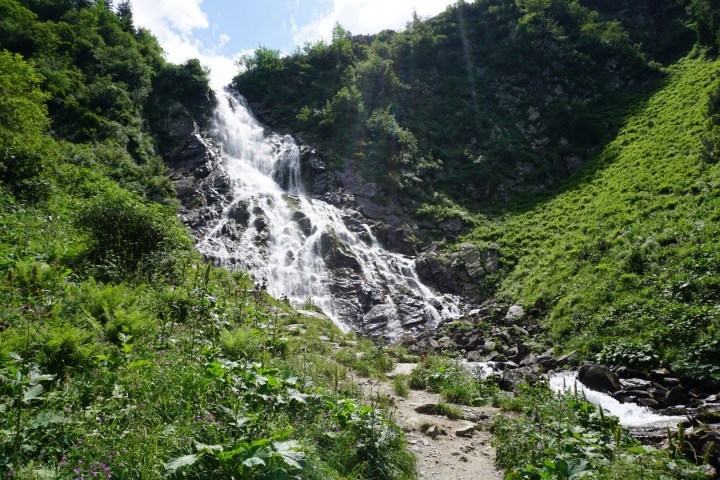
[(625, 260)]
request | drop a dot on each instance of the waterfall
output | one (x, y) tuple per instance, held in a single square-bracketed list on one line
[(301, 247)]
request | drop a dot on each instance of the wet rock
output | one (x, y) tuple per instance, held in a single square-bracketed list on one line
[(379, 314), (648, 402), (635, 383), (677, 396), (335, 254), (451, 273), (671, 382), (357, 225), (708, 415), (303, 223), (628, 396), (546, 359), (659, 374), (239, 213), (260, 223), (400, 240), (598, 377), (316, 176), (625, 372), (474, 356)]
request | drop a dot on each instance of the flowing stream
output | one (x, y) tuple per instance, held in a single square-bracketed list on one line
[(301, 248), (631, 415)]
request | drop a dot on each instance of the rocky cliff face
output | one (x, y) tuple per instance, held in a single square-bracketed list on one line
[(200, 180), (366, 283)]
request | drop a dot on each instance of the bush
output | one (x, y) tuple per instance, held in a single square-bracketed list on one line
[(66, 346), (701, 361), (630, 354), (125, 230), (24, 152), (241, 343)]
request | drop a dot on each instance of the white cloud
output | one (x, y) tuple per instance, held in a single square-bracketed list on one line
[(368, 16), (173, 22), (180, 15)]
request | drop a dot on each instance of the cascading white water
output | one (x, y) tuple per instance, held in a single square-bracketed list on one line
[(630, 414), (285, 234)]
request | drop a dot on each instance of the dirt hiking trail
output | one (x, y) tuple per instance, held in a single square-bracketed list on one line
[(445, 449)]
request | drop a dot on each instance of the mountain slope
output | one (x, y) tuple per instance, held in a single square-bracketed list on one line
[(626, 260), (501, 97)]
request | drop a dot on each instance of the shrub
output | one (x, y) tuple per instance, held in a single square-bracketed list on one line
[(125, 230), (66, 346), (701, 361), (630, 354)]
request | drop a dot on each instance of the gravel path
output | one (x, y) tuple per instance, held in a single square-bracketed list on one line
[(457, 449)]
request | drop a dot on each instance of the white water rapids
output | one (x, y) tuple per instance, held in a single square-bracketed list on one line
[(631, 415), (283, 237)]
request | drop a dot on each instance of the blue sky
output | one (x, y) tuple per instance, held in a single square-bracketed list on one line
[(219, 31)]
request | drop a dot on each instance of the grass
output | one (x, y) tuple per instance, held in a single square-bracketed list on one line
[(628, 250), (453, 412), (447, 377), (177, 373), (400, 386)]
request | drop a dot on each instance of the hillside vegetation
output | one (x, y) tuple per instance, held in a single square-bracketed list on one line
[(501, 97), (578, 138), (625, 260), (122, 353)]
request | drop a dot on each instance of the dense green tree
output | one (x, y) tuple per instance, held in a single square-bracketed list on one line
[(706, 14), (520, 85), (23, 121)]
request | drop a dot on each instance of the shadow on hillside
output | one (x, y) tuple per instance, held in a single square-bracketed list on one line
[(616, 117)]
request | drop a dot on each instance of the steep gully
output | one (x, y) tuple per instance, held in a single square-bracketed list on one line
[(244, 198)]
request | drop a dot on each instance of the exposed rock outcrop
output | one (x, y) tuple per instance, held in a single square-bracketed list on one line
[(463, 272), (200, 181)]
